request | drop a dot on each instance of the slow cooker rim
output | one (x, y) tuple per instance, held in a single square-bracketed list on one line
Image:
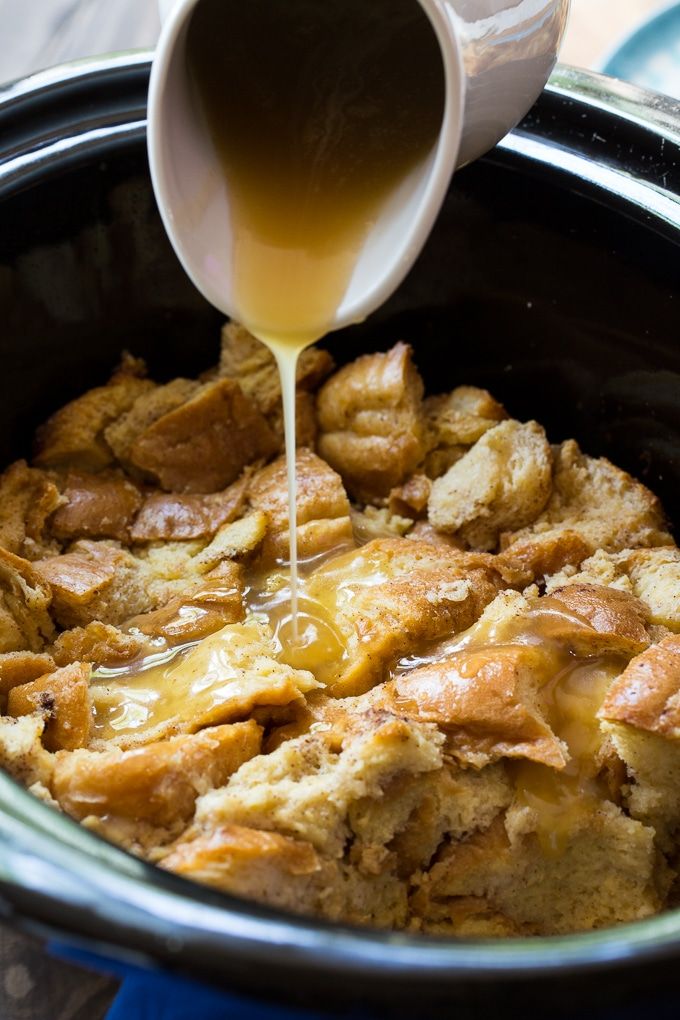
[(104, 882)]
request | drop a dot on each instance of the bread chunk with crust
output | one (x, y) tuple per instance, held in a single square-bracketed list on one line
[(306, 788), (371, 422), (22, 754), (100, 581), (174, 516), (487, 702), (74, 437), (205, 607), (597, 501), (492, 691), (647, 694), (642, 713), (204, 444), (249, 363), (543, 555), (96, 506), (411, 498), (502, 483), (158, 783), (391, 598), (652, 575), (155, 402), (607, 872), (288, 873), (619, 619), (455, 421), (94, 581), (62, 698), (322, 507), (25, 622), (27, 499), (18, 668), (99, 643)]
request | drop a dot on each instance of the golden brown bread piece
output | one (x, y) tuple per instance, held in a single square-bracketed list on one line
[(618, 619), (94, 581), (377, 522), (22, 754), (158, 783), (18, 668), (371, 422), (101, 581), (322, 507), (100, 643), (153, 403), (502, 483), (25, 623), (96, 506), (652, 575), (543, 555), (175, 516), (289, 874), (27, 498), (606, 872), (74, 436), (390, 598), (486, 701), (454, 422), (206, 606), (62, 698), (495, 696), (411, 498), (647, 694), (307, 787), (642, 714), (224, 855), (597, 501), (249, 363), (204, 444)]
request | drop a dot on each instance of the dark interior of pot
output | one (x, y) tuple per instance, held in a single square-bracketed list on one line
[(564, 308), (558, 297)]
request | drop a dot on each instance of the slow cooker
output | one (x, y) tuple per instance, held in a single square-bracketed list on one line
[(551, 277)]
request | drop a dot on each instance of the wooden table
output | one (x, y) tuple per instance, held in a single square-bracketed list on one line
[(36, 34)]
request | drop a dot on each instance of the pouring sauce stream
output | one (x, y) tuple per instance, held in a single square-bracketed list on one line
[(318, 112)]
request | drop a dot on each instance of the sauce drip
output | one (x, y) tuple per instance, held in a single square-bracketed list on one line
[(317, 112)]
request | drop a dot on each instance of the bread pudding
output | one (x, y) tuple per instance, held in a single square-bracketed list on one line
[(478, 730)]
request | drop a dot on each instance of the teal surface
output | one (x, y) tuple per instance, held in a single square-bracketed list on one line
[(651, 55)]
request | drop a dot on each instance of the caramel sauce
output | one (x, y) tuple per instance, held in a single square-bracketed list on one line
[(183, 685), (197, 680), (317, 112), (562, 800)]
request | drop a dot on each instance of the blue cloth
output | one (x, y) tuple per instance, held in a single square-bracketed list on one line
[(158, 995)]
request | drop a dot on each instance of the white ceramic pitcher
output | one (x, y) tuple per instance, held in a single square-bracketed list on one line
[(497, 57)]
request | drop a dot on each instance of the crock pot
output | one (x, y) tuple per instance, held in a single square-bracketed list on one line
[(551, 277)]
